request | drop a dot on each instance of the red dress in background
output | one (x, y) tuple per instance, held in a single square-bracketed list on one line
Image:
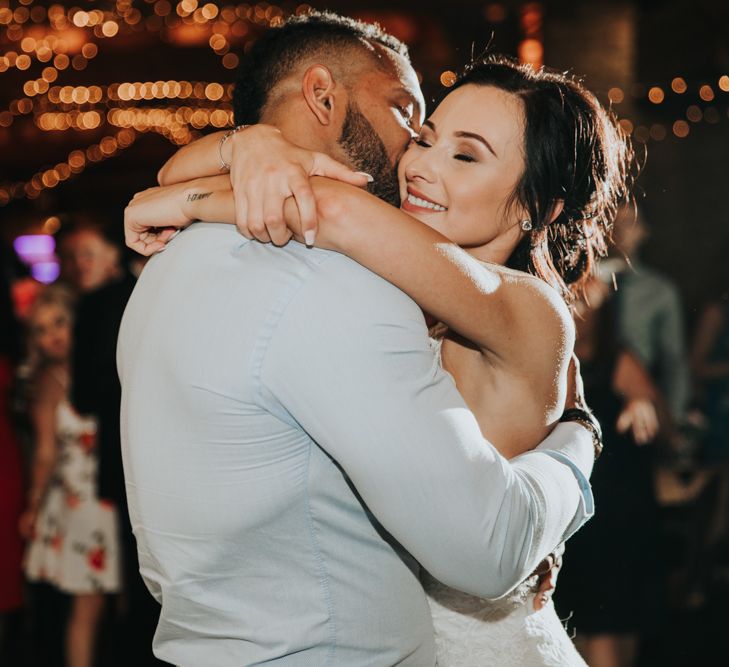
[(11, 500)]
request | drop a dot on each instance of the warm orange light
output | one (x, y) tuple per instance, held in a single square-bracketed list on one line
[(531, 51), (89, 50), (230, 61), (214, 91), (656, 95), (79, 63), (50, 178), (108, 145), (210, 11), (724, 83), (626, 125), (495, 12), (28, 44), (110, 28), (448, 78), (22, 62), (706, 93), (681, 129), (616, 95), (61, 61), (80, 19), (162, 8), (76, 159), (44, 54), (694, 114), (49, 74), (658, 132), (678, 85), (217, 42), (53, 224)]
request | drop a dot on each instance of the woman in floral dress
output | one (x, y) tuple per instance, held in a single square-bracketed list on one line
[(72, 535)]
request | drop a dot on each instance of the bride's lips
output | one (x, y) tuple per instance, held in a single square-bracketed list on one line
[(416, 207)]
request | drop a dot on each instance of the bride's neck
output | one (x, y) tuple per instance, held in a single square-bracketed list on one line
[(493, 252)]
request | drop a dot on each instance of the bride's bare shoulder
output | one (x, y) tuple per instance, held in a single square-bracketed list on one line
[(543, 323)]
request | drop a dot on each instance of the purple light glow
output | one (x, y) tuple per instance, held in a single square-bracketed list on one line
[(45, 272), (34, 248)]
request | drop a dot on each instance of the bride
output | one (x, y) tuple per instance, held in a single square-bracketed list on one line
[(523, 169)]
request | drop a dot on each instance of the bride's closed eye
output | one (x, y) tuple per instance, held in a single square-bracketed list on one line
[(421, 142)]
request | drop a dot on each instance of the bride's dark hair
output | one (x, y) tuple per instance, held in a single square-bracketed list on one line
[(575, 153)]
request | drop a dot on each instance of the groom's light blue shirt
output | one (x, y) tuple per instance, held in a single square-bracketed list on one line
[(274, 401)]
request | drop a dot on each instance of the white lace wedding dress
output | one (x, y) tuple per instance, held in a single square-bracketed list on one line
[(472, 632)]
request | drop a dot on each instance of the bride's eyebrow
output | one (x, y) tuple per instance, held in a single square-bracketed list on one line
[(465, 135), (477, 137)]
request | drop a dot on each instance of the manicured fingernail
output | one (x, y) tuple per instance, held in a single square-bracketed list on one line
[(368, 176), (310, 237), (173, 235)]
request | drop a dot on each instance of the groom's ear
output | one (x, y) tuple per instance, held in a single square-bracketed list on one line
[(318, 87)]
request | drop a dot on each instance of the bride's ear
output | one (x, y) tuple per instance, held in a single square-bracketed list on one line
[(317, 87), (557, 208)]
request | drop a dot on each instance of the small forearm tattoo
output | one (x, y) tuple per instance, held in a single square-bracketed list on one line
[(196, 196)]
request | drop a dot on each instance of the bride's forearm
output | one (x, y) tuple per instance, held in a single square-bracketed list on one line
[(209, 205), (198, 159), (478, 302)]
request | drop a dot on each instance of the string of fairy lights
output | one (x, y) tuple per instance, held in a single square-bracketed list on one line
[(57, 38)]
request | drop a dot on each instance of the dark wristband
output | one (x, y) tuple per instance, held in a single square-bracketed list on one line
[(586, 419)]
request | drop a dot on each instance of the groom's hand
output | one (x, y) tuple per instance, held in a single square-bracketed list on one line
[(266, 170)]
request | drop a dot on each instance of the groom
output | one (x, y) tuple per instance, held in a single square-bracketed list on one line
[(289, 439)]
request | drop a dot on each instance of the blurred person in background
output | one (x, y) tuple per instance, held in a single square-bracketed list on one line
[(91, 261), (649, 312), (710, 364), (608, 582), (11, 481), (72, 535), (89, 256)]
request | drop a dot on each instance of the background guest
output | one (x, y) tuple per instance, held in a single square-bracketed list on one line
[(73, 542), (91, 260), (11, 481), (608, 583)]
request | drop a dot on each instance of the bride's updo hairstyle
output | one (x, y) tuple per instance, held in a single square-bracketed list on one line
[(575, 153)]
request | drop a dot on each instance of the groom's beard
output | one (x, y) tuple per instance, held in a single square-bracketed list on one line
[(367, 153)]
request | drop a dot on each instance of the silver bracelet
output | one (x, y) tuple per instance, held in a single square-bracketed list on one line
[(224, 166)]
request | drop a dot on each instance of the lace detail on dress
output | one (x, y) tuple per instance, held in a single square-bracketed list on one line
[(472, 632)]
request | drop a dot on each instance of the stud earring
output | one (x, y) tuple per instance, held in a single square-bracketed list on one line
[(526, 225)]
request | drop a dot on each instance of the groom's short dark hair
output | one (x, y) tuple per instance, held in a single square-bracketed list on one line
[(279, 50)]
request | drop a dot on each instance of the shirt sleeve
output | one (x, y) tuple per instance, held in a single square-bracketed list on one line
[(350, 362), (672, 352)]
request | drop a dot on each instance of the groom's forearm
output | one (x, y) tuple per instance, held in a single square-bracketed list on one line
[(393, 420)]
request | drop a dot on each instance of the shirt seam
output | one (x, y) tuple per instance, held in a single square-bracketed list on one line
[(258, 358)]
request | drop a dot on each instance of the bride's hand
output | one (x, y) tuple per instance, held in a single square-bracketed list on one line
[(265, 170), (640, 418), (155, 215), (575, 387), (548, 571)]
